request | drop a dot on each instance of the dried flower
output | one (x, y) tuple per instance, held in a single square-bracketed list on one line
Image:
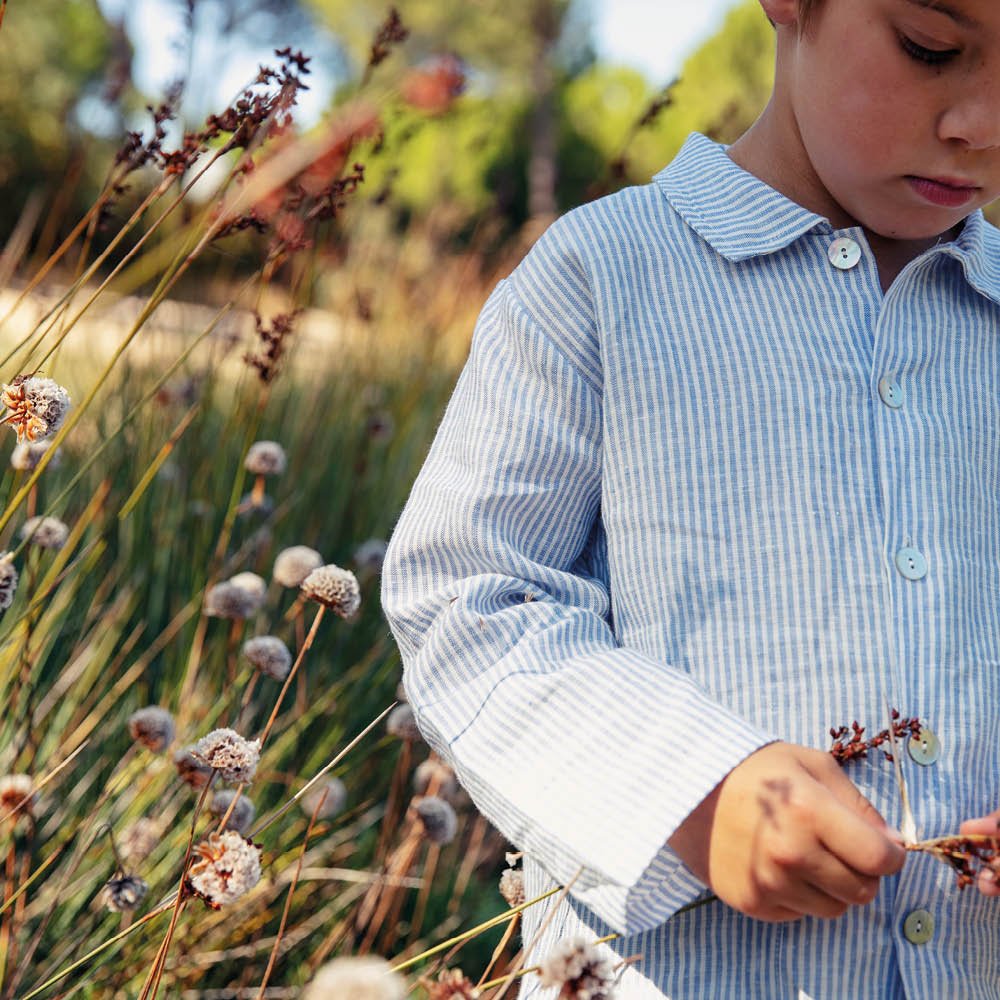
[(265, 458), (234, 757), (334, 588), (452, 984), (269, 655), (433, 88), (243, 812), (578, 969), (228, 866), (436, 773), (8, 580), (336, 798), (27, 454), (37, 406), (361, 977), (438, 818), (369, 556), (969, 855), (391, 32), (512, 886), (230, 600), (190, 769), (17, 794), (45, 532), (294, 564), (849, 743), (402, 724), (138, 840), (153, 727), (124, 892)]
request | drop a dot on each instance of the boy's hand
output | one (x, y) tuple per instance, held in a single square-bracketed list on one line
[(785, 834), (988, 826)]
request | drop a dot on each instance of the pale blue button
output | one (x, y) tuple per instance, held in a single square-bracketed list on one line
[(911, 564), (891, 393), (844, 253)]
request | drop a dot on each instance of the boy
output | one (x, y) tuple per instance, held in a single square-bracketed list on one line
[(722, 472)]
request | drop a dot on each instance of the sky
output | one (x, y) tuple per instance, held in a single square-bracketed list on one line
[(651, 35)]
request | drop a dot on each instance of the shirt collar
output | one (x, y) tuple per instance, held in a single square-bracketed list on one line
[(977, 248)]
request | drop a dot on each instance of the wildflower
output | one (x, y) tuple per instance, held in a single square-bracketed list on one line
[(227, 600), (433, 88), (336, 798), (45, 532), (438, 818), (437, 773), (369, 556), (8, 580), (190, 769), (334, 588), (294, 564), (402, 724), (230, 754), (265, 458), (512, 886), (17, 794), (37, 406), (269, 655), (251, 583), (452, 984), (124, 892), (228, 866), (27, 454), (153, 727), (138, 840), (243, 812), (361, 977), (578, 969)]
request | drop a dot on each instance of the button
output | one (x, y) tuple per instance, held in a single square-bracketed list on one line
[(911, 564), (891, 393), (918, 927), (925, 749), (844, 253)]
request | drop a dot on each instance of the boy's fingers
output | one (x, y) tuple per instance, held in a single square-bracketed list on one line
[(987, 884), (987, 826)]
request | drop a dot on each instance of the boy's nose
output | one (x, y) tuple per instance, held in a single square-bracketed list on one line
[(974, 122)]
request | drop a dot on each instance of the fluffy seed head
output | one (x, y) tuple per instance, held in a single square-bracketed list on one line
[(436, 774), (8, 580), (138, 840), (269, 655), (124, 892), (265, 458), (243, 812), (336, 798), (294, 564), (190, 769), (252, 583), (360, 977), (334, 588), (230, 754), (452, 984), (227, 600), (578, 969), (17, 792), (27, 454), (228, 866), (153, 727), (45, 532), (36, 406), (438, 818), (402, 724), (512, 886), (369, 556)]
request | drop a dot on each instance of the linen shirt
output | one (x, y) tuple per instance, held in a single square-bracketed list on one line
[(699, 489)]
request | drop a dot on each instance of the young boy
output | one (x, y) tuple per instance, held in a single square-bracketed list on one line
[(723, 471)]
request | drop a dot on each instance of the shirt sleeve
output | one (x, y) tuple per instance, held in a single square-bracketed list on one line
[(585, 754)]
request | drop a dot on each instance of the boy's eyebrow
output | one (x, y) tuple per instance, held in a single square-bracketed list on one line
[(956, 15)]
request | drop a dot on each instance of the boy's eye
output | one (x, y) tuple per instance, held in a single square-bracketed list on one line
[(922, 54)]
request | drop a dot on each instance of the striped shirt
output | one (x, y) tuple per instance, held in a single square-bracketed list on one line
[(699, 489)]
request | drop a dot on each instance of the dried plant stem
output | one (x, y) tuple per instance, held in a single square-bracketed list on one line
[(393, 808), (3, 10), (379, 900), (499, 949), (42, 782), (24, 689), (7, 922), (470, 858), (420, 909)]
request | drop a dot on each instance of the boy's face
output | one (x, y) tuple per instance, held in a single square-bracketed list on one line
[(892, 110)]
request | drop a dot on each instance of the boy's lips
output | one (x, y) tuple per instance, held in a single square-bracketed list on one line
[(949, 192)]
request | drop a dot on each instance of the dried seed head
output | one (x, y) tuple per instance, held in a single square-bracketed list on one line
[(8, 580), (269, 655), (227, 600), (578, 969), (361, 977), (228, 866), (437, 774), (336, 798), (452, 984), (17, 794), (369, 556), (45, 532), (37, 406), (124, 892), (190, 769), (243, 812), (138, 840), (265, 458), (438, 818), (252, 583), (230, 754), (294, 564), (402, 724), (334, 588), (512, 886), (27, 454), (153, 727), (252, 503)]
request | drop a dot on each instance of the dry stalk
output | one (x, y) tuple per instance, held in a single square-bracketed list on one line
[(470, 858)]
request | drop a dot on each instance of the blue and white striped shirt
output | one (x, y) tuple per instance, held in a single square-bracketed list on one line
[(698, 489)]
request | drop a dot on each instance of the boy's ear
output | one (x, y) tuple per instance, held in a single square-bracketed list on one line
[(781, 12)]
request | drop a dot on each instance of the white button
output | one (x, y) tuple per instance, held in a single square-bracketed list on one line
[(925, 749), (918, 928), (891, 393), (844, 253)]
